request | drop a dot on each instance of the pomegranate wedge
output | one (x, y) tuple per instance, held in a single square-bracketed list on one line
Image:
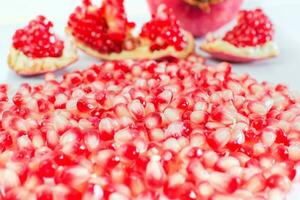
[(37, 50), (250, 40)]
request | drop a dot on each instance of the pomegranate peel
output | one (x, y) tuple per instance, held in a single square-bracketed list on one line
[(200, 17), (224, 50), (249, 40)]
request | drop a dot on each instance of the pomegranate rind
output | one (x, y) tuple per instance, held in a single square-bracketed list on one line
[(223, 50), (199, 22), (141, 52), (27, 66)]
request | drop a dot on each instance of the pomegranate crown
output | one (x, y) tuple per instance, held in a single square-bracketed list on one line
[(203, 4)]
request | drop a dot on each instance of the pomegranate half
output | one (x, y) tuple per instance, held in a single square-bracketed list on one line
[(200, 17)]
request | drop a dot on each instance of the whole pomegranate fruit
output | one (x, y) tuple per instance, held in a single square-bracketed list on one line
[(200, 16)]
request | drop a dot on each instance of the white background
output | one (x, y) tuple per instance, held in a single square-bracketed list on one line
[(284, 13)]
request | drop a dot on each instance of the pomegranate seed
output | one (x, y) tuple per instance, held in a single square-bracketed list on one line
[(219, 138), (63, 160), (5, 141), (256, 183), (46, 169), (131, 152), (155, 174), (74, 176), (84, 106), (44, 195), (223, 182)]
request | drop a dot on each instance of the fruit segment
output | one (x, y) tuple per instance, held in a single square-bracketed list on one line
[(104, 32), (36, 49), (250, 40), (149, 130)]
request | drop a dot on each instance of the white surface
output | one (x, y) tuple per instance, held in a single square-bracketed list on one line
[(284, 13)]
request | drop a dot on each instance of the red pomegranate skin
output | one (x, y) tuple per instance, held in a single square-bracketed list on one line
[(195, 20)]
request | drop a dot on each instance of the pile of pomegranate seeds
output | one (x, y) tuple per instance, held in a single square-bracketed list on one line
[(103, 28), (149, 130), (164, 30), (37, 39), (253, 28)]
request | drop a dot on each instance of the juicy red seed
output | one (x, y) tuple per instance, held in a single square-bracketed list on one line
[(5, 141), (46, 169), (63, 160), (183, 104), (113, 162), (292, 174), (141, 162), (258, 124), (186, 115), (100, 97), (18, 99), (233, 146), (131, 152), (281, 137), (273, 180), (233, 185), (24, 154), (81, 150), (37, 39), (195, 152), (187, 129), (106, 136), (84, 106), (44, 195), (73, 195), (283, 152), (216, 115)]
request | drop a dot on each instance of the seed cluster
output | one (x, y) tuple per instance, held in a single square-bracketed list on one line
[(37, 39), (253, 28), (164, 30), (149, 130), (103, 28)]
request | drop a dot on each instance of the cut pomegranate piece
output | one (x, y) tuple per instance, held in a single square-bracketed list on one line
[(173, 129), (200, 16), (250, 40), (104, 32), (36, 49), (105, 29), (165, 36)]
